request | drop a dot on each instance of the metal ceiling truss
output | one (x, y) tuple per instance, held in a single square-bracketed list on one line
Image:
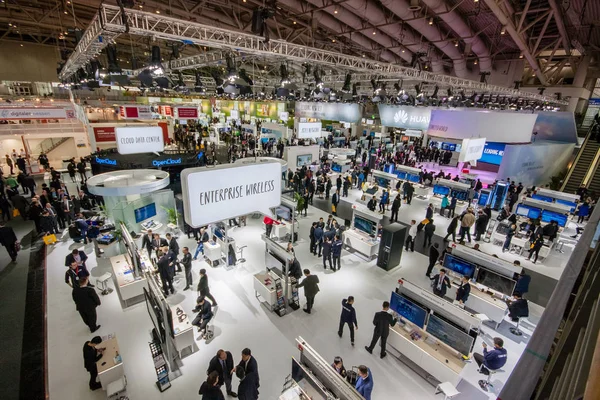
[(109, 23)]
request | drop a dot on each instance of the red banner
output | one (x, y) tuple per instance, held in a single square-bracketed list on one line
[(136, 112), (187, 112), (167, 111), (105, 134)]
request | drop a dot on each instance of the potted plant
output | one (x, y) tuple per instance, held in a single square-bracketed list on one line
[(172, 215), (299, 202)]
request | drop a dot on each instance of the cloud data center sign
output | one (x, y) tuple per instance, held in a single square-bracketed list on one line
[(227, 191), (135, 139), (405, 116)]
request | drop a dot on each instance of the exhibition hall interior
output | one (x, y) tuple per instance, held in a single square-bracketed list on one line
[(299, 199)]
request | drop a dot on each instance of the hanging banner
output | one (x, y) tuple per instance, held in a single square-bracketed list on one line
[(406, 117), (556, 126), (502, 127), (492, 153), (471, 149), (166, 111), (145, 139), (33, 113), (228, 191), (105, 134), (309, 130), (349, 112), (186, 112), (135, 112)]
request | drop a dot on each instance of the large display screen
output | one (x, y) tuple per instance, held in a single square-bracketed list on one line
[(365, 225), (383, 182), (492, 153), (336, 168), (459, 265), (143, 213), (495, 281), (549, 216), (408, 310), (542, 198), (449, 334), (567, 203), (413, 178), (303, 160), (441, 190), (529, 212), (460, 195), (401, 174)]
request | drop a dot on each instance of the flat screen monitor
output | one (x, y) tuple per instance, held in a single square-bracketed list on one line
[(542, 198), (303, 160), (460, 195), (413, 178), (495, 281), (459, 265), (567, 203), (308, 381), (284, 213), (441, 190), (408, 310), (383, 182), (143, 213), (483, 198), (389, 168), (272, 260), (365, 225), (401, 174), (336, 168), (548, 216), (456, 338), (529, 212)]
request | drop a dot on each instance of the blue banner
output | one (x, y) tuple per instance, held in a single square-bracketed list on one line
[(492, 153)]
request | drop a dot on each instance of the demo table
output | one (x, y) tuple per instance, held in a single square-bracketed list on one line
[(267, 290), (128, 286), (482, 302), (108, 369), (361, 243), (182, 329)]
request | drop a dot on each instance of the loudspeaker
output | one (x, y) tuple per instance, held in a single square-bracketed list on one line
[(391, 245)]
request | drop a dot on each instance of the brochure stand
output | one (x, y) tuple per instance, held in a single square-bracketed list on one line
[(160, 366)]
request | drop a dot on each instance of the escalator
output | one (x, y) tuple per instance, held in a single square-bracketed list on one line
[(585, 168)]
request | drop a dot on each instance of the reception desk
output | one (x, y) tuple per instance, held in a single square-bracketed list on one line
[(438, 360), (130, 288), (108, 369), (361, 243)]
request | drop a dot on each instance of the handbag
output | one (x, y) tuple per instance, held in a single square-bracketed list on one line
[(16, 212), (49, 239)]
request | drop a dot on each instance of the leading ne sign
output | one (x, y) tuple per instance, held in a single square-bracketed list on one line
[(134, 140), (227, 191)]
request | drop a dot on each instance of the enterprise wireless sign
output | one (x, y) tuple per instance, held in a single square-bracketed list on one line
[(309, 130), (135, 139), (227, 191)]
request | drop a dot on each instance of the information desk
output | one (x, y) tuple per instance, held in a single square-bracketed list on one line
[(267, 291), (212, 252), (280, 231), (361, 242), (482, 302), (182, 329), (438, 360), (109, 370), (129, 288)]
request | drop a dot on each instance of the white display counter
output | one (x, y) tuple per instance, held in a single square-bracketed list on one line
[(182, 330), (212, 252), (109, 369), (361, 242), (482, 302), (130, 288), (267, 291)]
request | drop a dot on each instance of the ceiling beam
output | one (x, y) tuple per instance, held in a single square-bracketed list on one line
[(560, 25)]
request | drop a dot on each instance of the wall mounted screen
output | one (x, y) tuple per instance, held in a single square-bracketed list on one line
[(441, 190), (143, 213)]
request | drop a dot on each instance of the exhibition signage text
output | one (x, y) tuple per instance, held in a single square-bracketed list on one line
[(33, 113), (106, 161), (472, 149), (136, 112), (228, 191), (167, 162), (104, 134), (349, 112), (308, 130), (134, 140), (407, 117)]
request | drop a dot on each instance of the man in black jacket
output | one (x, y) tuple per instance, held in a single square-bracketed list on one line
[(174, 247), (382, 321), (480, 224), (410, 190), (348, 317), (76, 255), (158, 242), (372, 204), (295, 269), (166, 275), (463, 291), (247, 389), (335, 200), (250, 366), (428, 230), (8, 239), (434, 254), (222, 364), (518, 308), (204, 310), (91, 354), (440, 283), (86, 299), (147, 242), (311, 288), (187, 267), (203, 287), (395, 208)]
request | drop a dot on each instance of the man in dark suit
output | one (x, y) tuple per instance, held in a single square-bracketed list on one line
[(250, 366), (8, 239), (158, 242), (187, 267), (428, 230), (174, 247), (76, 255), (311, 288), (147, 242), (247, 389), (335, 200), (222, 363), (463, 291), (166, 275), (518, 308), (440, 283), (204, 310), (382, 321), (86, 299), (91, 354), (203, 287), (434, 254)]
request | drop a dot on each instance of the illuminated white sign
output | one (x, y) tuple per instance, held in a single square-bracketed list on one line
[(472, 149), (307, 130), (145, 139)]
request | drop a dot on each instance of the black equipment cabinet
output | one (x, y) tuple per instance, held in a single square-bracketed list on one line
[(391, 245)]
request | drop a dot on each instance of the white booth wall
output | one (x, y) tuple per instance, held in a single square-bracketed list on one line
[(292, 152)]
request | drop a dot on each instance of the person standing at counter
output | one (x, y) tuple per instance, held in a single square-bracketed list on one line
[(165, 273), (372, 204), (86, 299), (364, 384), (174, 247), (382, 321), (203, 239), (466, 222), (335, 200), (444, 206), (536, 244), (463, 291), (509, 235), (338, 366), (441, 283), (348, 316), (523, 281), (92, 354), (311, 288), (187, 267)]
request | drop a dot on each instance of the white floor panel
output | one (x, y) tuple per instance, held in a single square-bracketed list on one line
[(242, 322)]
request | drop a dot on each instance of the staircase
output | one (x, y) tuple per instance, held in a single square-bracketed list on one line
[(587, 160), (47, 145)]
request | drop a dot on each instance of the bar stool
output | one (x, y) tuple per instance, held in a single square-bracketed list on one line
[(102, 282), (484, 384), (447, 389), (241, 259)]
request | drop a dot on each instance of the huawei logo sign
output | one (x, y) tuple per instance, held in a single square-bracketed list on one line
[(401, 116)]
